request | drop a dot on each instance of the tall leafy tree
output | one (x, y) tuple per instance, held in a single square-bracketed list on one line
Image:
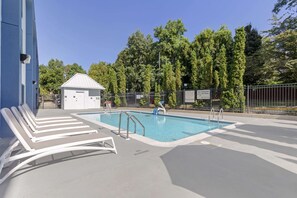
[(287, 9), (203, 45), (100, 73), (194, 71), (178, 76), (71, 70), (170, 84), (238, 68), (173, 45), (221, 62), (280, 55), (146, 85), (157, 96), (122, 84), (113, 86), (51, 76), (135, 57), (254, 59)]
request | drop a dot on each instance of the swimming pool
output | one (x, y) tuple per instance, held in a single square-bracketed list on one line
[(163, 128)]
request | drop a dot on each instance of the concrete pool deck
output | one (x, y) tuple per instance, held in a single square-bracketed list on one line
[(256, 159)]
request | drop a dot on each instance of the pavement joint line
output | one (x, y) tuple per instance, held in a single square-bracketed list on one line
[(263, 140), (273, 157)]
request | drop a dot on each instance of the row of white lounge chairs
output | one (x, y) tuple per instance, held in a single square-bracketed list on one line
[(39, 137)]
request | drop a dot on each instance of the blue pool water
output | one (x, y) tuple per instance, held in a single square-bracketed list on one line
[(163, 128)]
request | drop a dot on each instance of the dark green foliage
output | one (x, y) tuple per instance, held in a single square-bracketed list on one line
[(254, 59)]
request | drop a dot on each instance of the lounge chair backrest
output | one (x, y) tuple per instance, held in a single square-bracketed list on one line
[(31, 124), (29, 111), (17, 129), (21, 121)]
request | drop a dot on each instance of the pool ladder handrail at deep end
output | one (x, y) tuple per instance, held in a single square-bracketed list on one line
[(220, 113), (143, 128), (129, 117), (211, 113)]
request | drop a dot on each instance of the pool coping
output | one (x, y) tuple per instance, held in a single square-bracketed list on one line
[(152, 142)]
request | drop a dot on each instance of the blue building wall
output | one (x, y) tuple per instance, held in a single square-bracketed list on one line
[(12, 91)]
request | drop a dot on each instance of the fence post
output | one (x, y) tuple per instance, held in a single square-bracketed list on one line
[(248, 98)]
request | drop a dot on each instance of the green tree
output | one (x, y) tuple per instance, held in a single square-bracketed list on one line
[(280, 54), (221, 62), (254, 59), (157, 97), (287, 19), (100, 73), (203, 45), (146, 86), (122, 84), (51, 76), (170, 84), (178, 76), (238, 68), (135, 57), (113, 86), (194, 74), (71, 70)]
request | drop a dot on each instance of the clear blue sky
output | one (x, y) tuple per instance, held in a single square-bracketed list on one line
[(89, 31)]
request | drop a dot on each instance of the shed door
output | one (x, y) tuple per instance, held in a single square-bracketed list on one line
[(79, 100)]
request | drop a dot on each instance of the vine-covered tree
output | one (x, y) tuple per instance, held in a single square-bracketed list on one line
[(157, 96), (238, 68), (122, 84), (146, 85), (203, 45), (221, 63), (178, 76), (113, 86)]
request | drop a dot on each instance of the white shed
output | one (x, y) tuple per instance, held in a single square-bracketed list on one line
[(81, 92)]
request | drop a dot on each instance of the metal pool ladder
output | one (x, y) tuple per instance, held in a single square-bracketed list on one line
[(220, 114), (134, 120), (211, 113)]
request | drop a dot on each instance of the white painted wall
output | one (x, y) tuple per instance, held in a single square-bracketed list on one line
[(80, 99)]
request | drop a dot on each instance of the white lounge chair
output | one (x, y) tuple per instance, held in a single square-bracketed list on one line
[(32, 117), (54, 134), (35, 150), (34, 126), (31, 114)]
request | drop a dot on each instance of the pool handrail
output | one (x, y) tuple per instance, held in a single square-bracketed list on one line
[(129, 117), (211, 113), (120, 122), (143, 128)]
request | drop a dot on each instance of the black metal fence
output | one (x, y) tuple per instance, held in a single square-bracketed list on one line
[(271, 99)]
